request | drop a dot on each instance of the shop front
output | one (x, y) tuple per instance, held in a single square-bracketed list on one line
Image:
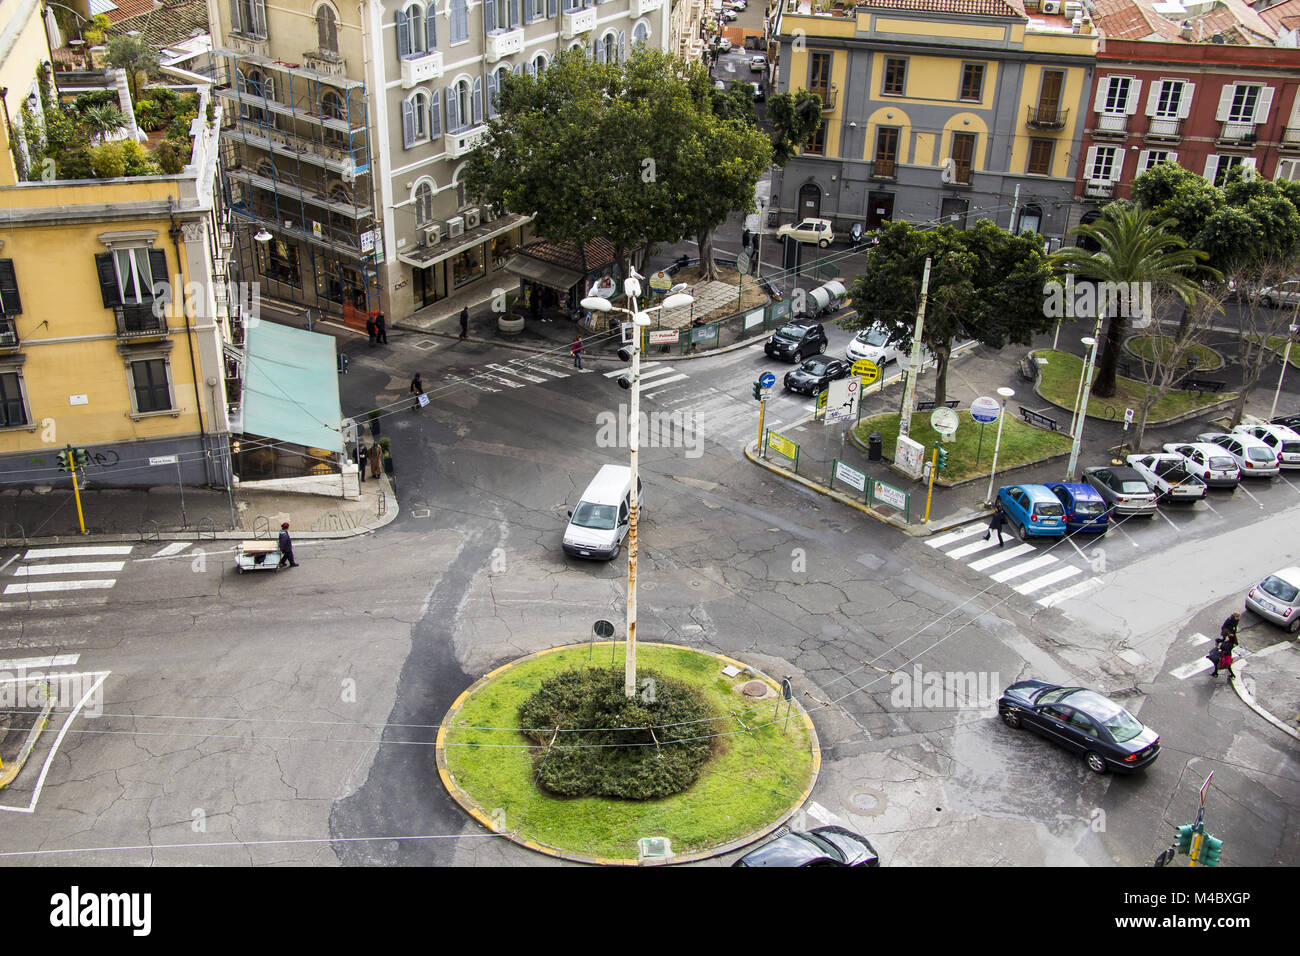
[(458, 265)]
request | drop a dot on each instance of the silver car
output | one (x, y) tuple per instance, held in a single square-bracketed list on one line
[(1277, 598), (1168, 475), (1124, 489), (1253, 457)]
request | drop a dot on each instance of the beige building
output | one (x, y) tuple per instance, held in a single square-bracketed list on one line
[(348, 129)]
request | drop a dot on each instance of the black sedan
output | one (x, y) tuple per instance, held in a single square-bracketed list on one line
[(824, 846), (1082, 720), (1290, 421), (815, 375)]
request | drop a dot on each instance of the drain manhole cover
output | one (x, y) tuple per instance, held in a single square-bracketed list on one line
[(697, 584), (755, 688), (867, 802)]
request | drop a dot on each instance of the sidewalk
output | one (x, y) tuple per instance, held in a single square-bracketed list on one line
[(49, 516)]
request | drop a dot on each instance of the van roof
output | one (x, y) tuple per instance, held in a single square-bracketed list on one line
[(609, 485)]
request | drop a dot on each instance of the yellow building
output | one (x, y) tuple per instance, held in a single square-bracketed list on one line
[(937, 110), (113, 328)]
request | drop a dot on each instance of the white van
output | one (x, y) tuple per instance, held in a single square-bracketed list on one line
[(599, 523)]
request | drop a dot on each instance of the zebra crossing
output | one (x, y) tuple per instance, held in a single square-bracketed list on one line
[(497, 377), (1024, 568), (49, 577)]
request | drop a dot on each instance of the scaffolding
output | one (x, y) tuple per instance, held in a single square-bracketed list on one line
[(296, 161)]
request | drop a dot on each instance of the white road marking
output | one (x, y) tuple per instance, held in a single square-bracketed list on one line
[(538, 367), (176, 547), (1001, 556), (1199, 639), (656, 370), (1073, 591), (1170, 520), (1033, 564), (32, 663), (41, 586), (646, 389), (1047, 580), (506, 370), (1251, 497), (88, 567), (980, 545), (459, 380), (1192, 669), (508, 382), (50, 605), (957, 535), (36, 554)]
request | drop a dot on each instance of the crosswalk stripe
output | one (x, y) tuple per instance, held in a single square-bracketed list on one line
[(536, 366), (1033, 564), (655, 371), (1199, 666), (176, 547), (1000, 557), (507, 370), (52, 604), (41, 663), (1272, 649), (1073, 591), (646, 389), (60, 586), (980, 545), (458, 380), (1047, 580), (501, 381), (1199, 638), (80, 567), (957, 535), (616, 373), (35, 554)]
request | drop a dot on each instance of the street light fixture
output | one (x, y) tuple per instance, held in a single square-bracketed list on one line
[(1005, 393), (640, 319), (1081, 411)]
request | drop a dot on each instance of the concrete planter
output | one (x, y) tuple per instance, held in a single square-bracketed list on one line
[(510, 324)]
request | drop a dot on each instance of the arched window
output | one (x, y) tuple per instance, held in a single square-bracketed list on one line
[(331, 105), (457, 181), (539, 64), (460, 105), (420, 107), (423, 198), (607, 52), (327, 32), (640, 34), (494, 87), (339, 193), (1031, 219), (415, 26)]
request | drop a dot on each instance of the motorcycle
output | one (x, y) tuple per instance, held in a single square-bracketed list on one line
[(855, 235)]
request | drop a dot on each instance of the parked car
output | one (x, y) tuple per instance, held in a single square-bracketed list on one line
[(1277, 598), (872, 343), (823, 846), (809, 230), (738, 5), (722, 45), (1168, 476), (1210, 463), (816, 374), (1032, 510), (1085, 510), (1284, 293), (1125, 491), (758, 63), (729, 15), (759, 95), (1290, 421), (1082, 720), (1254, 459), (1283, 440), (796, 341)]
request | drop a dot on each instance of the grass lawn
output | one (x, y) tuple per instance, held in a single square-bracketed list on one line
[(1021, 443), (1277, 343), (1143, 346), (749, 783), (1059, 382)]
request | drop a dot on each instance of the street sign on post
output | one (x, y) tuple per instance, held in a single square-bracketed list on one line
[(867, 370), (985, 409), (842, 403), (767, 380), (944, 421)]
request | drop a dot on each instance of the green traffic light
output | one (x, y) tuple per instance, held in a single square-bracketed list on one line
[(1185, 834), (1210, 850)]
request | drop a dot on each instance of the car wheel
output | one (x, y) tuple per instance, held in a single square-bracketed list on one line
[(821, 349), (1268, 302), (1095, 761), (1294, 626), (1011, 718), (1022, 533), (824, 243)]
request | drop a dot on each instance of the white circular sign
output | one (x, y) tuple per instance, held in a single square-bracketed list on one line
[(943, 420), (985, 409)]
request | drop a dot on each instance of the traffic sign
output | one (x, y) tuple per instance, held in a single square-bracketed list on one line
[(164, 460), (842, 403), (1128, 416), (821, 399), (985, 410), (767, 380), (944, 420), (866, 370), (743, 263)]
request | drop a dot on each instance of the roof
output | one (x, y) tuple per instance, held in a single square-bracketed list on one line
[(1133, 20), (1229, 21), (291, 387), (166, 24), (1283, 16), (1236, 22), (595, 254), (119, 10), (985, 8)]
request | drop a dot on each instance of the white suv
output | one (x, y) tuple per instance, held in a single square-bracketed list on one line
[(1210, 463), (1284, 441), (809, 230)]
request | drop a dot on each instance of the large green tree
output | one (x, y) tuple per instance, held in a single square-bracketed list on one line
[(1133, 246), (985, 284), (136, 57), (794, 117)]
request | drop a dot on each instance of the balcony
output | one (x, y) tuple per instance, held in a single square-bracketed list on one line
[(960, 177), (1162, 129), (1111, 126), (503, 43), (641, 7), (1291, 139), (337, 159), (135, 322), (577, 22), (8, 333), (420, 69), (325, 61), (1045, 117), (828, 95), (1099, 189), (1239, 135), (249, 45), (458, 144), (884, 169)]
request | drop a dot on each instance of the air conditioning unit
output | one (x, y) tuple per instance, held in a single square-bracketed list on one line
[(471, 219), (456, 227), (1051, 6), (489, 213), (433, 235)]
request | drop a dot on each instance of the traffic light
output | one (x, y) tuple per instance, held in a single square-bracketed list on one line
[(64, 465), (1210, 850), (81, 456), (758, 392), (1185, 834), (941, 457)]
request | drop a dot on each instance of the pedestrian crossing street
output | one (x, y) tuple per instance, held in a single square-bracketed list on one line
[(1026, 569), (518, 373)]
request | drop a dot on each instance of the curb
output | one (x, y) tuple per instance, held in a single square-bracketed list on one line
[(10, 773), (470, 807), (1249, 699)]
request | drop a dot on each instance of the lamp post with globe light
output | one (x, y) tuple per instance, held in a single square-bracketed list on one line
[(1081, 412), (1286, 357), (632, 381)]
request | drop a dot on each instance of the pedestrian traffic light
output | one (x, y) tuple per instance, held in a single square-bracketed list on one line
[(1210, 850), (941, 457), (81, 456), (63, 461), (1185, 834), (758, 391)]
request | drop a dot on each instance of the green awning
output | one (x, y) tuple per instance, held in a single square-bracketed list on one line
[(291, 386)]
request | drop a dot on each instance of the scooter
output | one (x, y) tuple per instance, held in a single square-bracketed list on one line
[(855, 235)]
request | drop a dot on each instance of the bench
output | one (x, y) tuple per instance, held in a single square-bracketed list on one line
[(1204, 385), (1042, 421), (930, 406), (1029, 370)]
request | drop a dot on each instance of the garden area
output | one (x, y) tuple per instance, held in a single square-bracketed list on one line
[(1058, 382), (1200, 358), (552, 747)]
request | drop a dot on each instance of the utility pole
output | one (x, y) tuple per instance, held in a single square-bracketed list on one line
[(909, 390), (1015, 204)]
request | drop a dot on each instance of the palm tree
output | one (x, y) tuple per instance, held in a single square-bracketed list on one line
[(1132, 248), (102, 120)]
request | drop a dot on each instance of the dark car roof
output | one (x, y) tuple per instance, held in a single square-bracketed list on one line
[(800, 848), (1080, 491)]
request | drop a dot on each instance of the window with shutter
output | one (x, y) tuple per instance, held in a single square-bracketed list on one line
[(640, 34), (326, 31), (622, 46), (514, 13), (408, 124), (530, 11), (236, 21), (431, 27), (459, 21), (403, 36), (149, 383), (453, 109), (551, 8), (435, 114), (489, 15), (478, 100), (13, 410), (107, 273), (10, 303), (259, 17), (492, 95)]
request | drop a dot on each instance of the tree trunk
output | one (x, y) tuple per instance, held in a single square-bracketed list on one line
[(708, 268), (941, 357), (1104, 384)]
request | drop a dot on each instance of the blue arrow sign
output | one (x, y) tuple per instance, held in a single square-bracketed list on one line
[(767, 380)]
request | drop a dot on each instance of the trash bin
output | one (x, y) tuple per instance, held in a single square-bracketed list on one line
[(875, 442)]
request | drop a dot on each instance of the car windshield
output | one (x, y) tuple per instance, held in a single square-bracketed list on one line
[(872, 337), (1279, 588), (814, 366), (1048, 510), (1133, 487), (1255, 453), (791, 332), (1089, 508), (599, 517), (1222, 464), (1121, 725), (1291, 447)]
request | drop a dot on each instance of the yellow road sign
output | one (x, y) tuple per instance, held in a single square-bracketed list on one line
[(821, 400), (782, 444), (866, 370)]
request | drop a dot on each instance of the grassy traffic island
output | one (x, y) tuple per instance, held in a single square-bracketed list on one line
[(1058, 382), (548, 751)]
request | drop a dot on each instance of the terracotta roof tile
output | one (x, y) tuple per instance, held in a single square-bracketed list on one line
[(167, 24), (987, 8), (126, 9), (597, 254), (1132, 20), (1282, 16)]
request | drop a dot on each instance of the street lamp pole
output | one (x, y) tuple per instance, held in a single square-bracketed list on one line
[(1286, 357), (640, 320), (1005, 393), (1082, 411), (909, 389), (758, 268)]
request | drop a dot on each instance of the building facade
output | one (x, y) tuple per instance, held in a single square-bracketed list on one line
[(936, 111), (350, 126), (1209, 107)]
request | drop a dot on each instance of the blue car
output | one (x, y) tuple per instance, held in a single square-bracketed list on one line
[(1085, 510), (1033, 510)]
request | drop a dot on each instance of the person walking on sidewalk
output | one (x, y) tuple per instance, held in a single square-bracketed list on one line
[(381, 329), (1221, 656), (1229, 628), (464, 322), (576, 349), (361, 459), (286, 547), (995, 523), (370, 329), (417, 389)]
